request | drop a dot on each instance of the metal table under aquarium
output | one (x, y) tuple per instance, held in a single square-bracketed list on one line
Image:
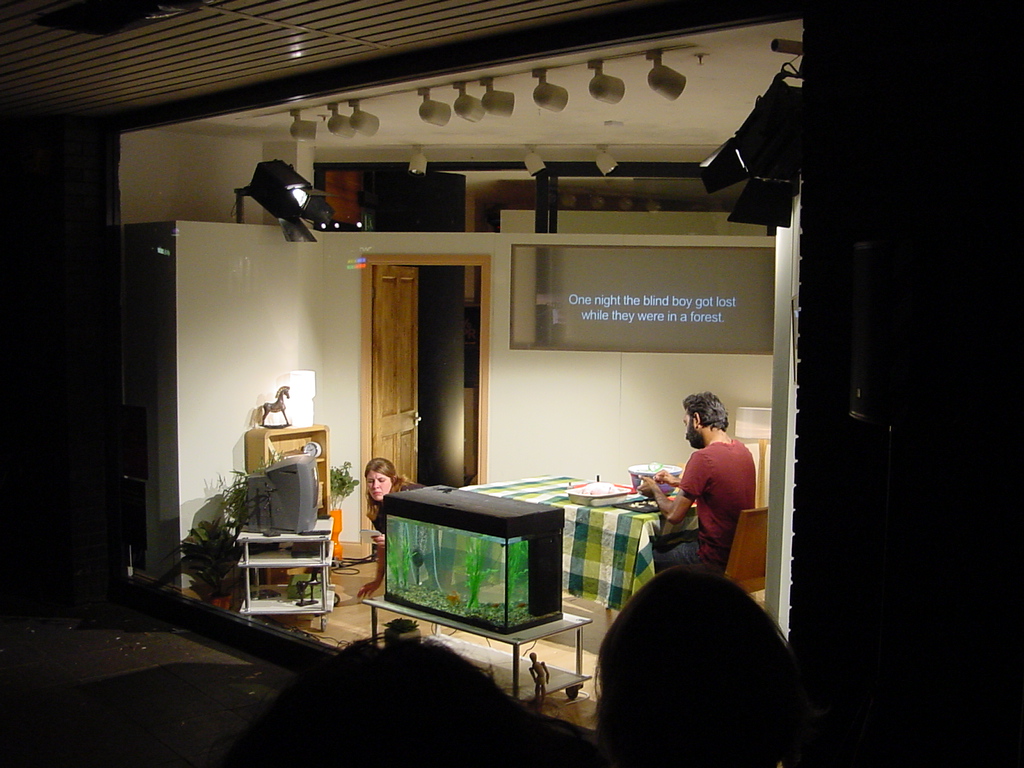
[(508, 676)]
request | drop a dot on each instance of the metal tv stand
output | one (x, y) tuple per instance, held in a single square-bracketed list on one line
[(498, 661)]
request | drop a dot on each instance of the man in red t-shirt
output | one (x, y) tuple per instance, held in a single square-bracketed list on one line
[(719, 478)]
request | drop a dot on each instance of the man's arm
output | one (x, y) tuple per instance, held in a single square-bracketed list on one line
[(675, 509)]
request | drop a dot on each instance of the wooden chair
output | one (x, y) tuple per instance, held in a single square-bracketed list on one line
[(746, 564)]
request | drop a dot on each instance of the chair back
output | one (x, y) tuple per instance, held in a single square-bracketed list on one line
[(746, 564)]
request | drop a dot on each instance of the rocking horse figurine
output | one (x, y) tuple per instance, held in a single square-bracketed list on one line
[(277, 406)]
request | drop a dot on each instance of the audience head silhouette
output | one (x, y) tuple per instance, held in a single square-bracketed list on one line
[(695, 674), (415, 703)]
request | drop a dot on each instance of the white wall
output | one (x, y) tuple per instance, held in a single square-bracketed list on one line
[(165, 175), (252, 307)]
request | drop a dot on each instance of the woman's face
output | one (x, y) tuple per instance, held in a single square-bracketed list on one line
[(378, 485)]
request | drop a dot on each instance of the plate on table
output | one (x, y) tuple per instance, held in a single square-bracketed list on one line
[(639, 505), (599, 494)]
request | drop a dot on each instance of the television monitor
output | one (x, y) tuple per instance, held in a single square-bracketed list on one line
[(283, 498)]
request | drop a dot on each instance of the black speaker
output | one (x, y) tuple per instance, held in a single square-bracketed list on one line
[(872, 343)]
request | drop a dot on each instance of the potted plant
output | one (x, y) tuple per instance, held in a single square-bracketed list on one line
[(401, 630), (342, 483), (211, 550)]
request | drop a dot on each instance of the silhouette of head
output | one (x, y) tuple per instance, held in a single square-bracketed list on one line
[(694, 674)]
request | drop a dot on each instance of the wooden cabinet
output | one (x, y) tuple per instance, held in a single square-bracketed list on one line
[(263, 446)]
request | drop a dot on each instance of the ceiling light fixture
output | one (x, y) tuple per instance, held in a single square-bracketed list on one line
[(433, 112), (663, 80), (604, 87), (340, 125), (533, 162), (548, 95), (605, 162), (468, 107), (302, 130), (418, 162), (363, 122), (500, 103)]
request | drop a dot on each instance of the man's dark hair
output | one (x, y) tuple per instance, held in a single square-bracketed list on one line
[(709, 407)]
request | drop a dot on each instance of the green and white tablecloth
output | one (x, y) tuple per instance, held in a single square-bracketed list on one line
[(606, 551)]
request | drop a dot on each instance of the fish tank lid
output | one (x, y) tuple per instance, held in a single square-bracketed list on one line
[(475, 512)]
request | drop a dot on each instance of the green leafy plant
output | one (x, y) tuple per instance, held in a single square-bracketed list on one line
[(401, 626), (342, 483), (475, 571), (211, 550)]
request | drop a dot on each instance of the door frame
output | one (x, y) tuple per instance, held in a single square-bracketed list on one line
[(483, 261)]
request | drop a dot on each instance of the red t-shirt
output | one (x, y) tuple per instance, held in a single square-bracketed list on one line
[(721, 478)]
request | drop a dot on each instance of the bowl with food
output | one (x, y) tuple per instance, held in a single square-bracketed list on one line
[(638, 471), (598, 494)]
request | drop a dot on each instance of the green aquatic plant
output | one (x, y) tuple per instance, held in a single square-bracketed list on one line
[(518, 568), (399, 555), (475, 571)]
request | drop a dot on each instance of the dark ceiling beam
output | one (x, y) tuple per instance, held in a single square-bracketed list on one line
[(650, 22)]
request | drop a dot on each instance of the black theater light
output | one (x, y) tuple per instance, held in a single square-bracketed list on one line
[(766, 151), (286, 195), (723, 168), (768, 202)]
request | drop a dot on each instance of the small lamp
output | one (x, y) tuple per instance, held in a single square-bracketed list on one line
[(418, 163), (302, 391), (605, 162), (364, 122), (548, 95), (663, 80), (756, 424), (340, 125), (433, 111), (604, 87), (534, 163), (500, 103), (468, 107), (302, 130)]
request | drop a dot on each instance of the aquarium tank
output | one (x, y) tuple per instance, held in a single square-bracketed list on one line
[(481, 560)]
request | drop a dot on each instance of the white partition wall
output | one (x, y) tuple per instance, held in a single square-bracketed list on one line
[(248, 307)]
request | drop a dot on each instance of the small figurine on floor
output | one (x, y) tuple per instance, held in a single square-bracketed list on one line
[(277, 406), (539, 673)]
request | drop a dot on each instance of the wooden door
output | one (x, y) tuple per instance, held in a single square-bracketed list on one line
[(394, 338)]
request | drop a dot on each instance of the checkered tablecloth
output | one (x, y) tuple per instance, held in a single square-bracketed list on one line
[(606, 552)]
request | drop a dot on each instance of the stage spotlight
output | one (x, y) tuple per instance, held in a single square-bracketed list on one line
[(418, 163), (664, 80), (605, 87), (286, 195), (768, 142), (302, 130), (433, 112), (766, 150), (605, 162), (765, 201), (548, 95), (468, 107), (363, 122), (500, 103), (533, 162), (340, 125), (723, 168)]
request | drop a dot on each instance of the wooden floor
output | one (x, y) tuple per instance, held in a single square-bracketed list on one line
[(350, 620)]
